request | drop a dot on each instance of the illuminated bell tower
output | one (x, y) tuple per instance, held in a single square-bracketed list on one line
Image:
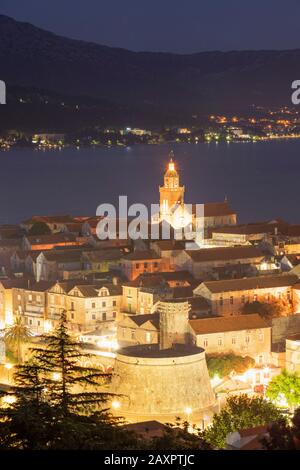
[(170, 193)]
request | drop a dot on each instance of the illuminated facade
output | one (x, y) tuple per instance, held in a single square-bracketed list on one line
[(171, 193)]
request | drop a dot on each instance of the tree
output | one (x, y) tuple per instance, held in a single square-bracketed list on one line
[(55, 403), (284, 436), (70, 386), (240, 412), (223, 364), (39, 228), (268, 310), (285, 387), (178, 437), (16, 334)]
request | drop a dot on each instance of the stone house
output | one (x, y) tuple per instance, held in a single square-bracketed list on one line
[(138, 329), (87, 305), (51, 264), (140, 262), (30, 303), (228, 297), (244, 335), (204, 263)]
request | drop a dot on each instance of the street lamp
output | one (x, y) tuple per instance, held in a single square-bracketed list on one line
[(116, 405)]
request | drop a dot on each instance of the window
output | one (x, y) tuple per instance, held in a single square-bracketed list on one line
[(137, 265), (39, 323), (260, 336), (93, 317), (30, 322), (148, 337), (114, 303), (38, 298), (103, 304), (221, 301), (247, 340), (145, 265), (205, 343), (220, 341), (114, 314), (30, 298), (156, 264), (255, 298), (72, 316), (19, 297), (72, 306), (132, 334), (243, 299), (260, 359), (104, 316), (231, 300), (93, 305), (233, 341), (288, 295)]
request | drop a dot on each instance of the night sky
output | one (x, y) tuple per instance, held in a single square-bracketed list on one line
[(167, 25)]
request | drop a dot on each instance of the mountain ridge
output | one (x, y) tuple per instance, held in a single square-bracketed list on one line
[(201, 82)]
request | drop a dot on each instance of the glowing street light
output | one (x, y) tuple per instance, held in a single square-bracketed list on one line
[(116, 405), (188, 410)]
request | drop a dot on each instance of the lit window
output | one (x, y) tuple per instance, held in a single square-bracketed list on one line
[(30, 298), (148, 337)]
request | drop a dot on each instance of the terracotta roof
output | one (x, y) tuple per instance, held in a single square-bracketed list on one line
[(142, 255), (224, 253), (168, 245), (102, 255), (63, 256), (93, 290), (222, 324), (259, 282), (53, 238), (139, 320), (215, 209), (247, 229), (60, 219)]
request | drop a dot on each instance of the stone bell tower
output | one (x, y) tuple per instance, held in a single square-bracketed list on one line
[(171, 193)]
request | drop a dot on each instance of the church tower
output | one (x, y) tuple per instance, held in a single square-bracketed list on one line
[(171, 193)]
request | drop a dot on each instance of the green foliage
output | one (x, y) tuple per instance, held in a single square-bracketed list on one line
[(240, 412), (285, 386), (223, 364), (57, 404), (284, 436), (267, 310), (16, 334), (177, 437), (39, 228)]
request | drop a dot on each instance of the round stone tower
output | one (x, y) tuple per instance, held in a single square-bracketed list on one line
[(167, 379)]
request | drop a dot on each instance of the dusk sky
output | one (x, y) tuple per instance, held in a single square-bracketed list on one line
[(167, 25)]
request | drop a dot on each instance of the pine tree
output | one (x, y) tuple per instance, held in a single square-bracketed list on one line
[(55, 404), (69, 386)]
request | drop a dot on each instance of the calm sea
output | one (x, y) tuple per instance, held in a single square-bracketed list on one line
[(261, 180)]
